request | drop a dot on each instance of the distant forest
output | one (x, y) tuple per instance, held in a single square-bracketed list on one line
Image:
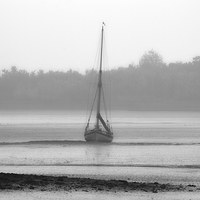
[(150, 85)]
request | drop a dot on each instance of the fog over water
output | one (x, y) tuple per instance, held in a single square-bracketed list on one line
[(150, 85)]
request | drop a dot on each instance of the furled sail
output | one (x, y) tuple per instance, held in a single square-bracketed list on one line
[(103, 122)]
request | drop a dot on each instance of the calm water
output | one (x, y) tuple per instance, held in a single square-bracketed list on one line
[(148, 146)]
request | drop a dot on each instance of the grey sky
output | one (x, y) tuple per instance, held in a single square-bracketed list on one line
[(64, 34)]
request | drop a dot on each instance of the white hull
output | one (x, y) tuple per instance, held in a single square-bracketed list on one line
[(98, 136)]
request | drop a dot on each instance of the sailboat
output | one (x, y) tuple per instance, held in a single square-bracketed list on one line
[(102, 131)]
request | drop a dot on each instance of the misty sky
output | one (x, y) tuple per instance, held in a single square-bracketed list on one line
[(64, 34)]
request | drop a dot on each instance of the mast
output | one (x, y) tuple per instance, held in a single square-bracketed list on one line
[(99, 81)]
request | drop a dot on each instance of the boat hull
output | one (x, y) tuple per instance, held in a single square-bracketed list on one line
[(98, 136)]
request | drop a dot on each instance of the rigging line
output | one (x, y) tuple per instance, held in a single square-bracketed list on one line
[(104, 103), (89, 91), (91, 78), (88, 99), (92, 106), (109, 78)]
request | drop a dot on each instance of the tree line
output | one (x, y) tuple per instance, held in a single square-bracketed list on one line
[(150, 85)]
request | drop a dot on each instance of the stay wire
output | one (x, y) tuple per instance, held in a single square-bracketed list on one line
[(108, 91), (92, 107), (91, 79), (104, 104)]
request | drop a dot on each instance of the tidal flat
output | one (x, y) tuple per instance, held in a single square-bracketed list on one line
[(154, 155), (21, 186)]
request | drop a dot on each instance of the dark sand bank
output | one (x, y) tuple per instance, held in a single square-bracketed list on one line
[(10, 182)]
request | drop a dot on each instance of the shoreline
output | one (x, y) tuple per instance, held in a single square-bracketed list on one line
[(21, 182)]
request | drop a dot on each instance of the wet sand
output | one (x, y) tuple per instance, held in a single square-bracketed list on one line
[(19, 182), (181, 132), (29, 187), (60, 195)]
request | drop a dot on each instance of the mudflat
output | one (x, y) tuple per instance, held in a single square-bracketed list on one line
[(10, 181)]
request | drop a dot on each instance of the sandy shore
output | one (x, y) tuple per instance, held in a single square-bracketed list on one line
[(29, 187), (60, 195), (19, 182)]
